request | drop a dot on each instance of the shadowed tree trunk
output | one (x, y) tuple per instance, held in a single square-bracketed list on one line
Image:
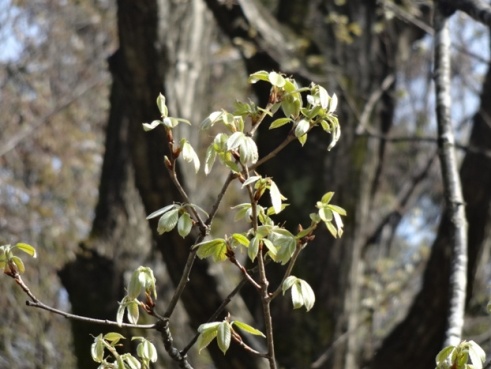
[(164, 48)]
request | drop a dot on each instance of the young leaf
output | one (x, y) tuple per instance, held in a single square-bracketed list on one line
[(184, 225), (259, 76), (239, 238), (97, 349), (161, 105), (276, 79), (113, 337), (19, 264), (28, 249), (211, 120), (168, 221), (253, 249), (250, 180), (216, 248), (149, 126), (206, 336), (161, 211), (132, 312), (279, 122), (248, 151), (210, 158), (224, 336), (189, 155), (276, 197), (333, 103), (235, 140), (247, 328)]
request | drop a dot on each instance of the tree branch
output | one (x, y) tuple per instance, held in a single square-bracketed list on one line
[(454, 200)]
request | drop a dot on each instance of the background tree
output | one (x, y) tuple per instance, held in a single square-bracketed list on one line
[(370, 53)]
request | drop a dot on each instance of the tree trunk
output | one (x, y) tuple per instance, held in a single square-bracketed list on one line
[(419, 337)]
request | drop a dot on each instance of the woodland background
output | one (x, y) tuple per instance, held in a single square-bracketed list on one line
[(78, 175)]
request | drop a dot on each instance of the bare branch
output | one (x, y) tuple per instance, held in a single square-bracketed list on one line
[(454, 199)]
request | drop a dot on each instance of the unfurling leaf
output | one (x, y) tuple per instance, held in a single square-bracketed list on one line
[(224, 335), (161, 105), (189, 155), (149, 126), (302, 293), (28, 249)]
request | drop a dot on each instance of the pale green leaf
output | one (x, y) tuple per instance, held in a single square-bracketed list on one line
[(235, 140), (120, 313), (337, 209), (276, 79), (333, 103), (271, 248), (210, 248), (276, 197), (253, 248), (208, 326), (326, 198), (18, 263), (210, 158), (131, 361), (149, 126), (297, 298), (302, 127), (224, 336), (248, 151), (259, 76), (239, 238), (161, 105), (250, 180), (184, 225), (247, 328), (325, 214), (476, 354), (205, 338), (113, 337), (132, 312), (168, 221), (161, 211), (189, 155), (97, 349), (279, 122), (146, 350), (288, 283), (331, 229), (308, 295), (211, 120)]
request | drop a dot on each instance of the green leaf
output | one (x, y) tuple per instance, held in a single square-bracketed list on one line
[(444, 355), (132, 312), (327, 197), (325, 214), (279, 122), (149, 126), (253, 248), (184, 225), (331, 229), (210, 158), (259, 76), (28, 249), (168, 221), (297, 298), (271, 249), (239, 238), (206, 336), (161, 211), (224, 336), (216, 248), (18, 263), (147, 351), (247, 328), (208, 326), (276, 79), (120, 313), (113, 337), (302, 293), (161, 105), (97, 349), (323, 97), (135, 286), (131, 361), (337, 209)]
